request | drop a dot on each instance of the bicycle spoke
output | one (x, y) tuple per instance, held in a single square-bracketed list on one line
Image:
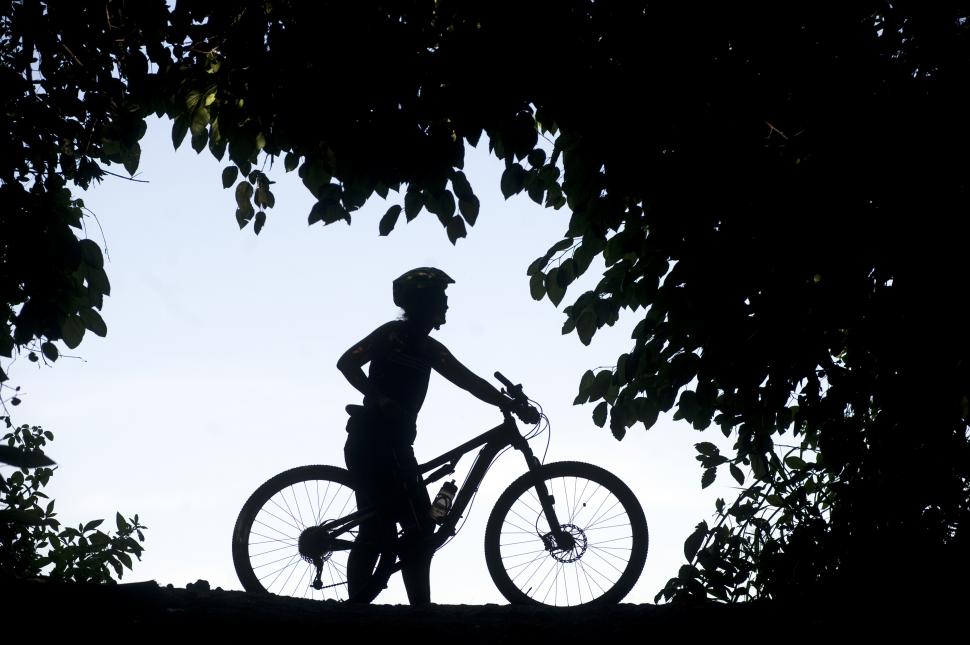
[(269, 541), (298, 585), (622, 513), (526, 565), (605, 561), (296, 504), (271, 562), (589, 578), (285, 540), (596, 549), (529, 509), (282, 548), (306, 489), (295, 523), (579, 586), (615, 548), (335, 582), (283, 586), (597, 511), (579, 505), (604, 516), (278, 572), (553, 568), (521, 530), (273, 528), (289, 511), (615, 526)]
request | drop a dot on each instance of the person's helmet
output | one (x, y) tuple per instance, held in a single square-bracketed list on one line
[(418, 283)]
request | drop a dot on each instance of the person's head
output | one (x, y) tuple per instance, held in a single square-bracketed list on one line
[(421, 294)]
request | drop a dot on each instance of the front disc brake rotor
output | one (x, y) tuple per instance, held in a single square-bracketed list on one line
[(566, 552)]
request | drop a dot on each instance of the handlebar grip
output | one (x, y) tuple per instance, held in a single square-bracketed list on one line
[(504, 381)]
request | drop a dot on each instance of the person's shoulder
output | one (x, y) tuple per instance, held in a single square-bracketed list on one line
[(391, 325), (435, 347), (391, 331)]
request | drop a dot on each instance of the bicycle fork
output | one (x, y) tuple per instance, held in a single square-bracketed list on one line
[(558, 538)]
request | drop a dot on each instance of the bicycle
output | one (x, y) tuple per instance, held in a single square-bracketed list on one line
[(562, 534)]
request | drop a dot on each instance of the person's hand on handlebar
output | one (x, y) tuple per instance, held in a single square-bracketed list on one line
[(523, 410), (527, 413)]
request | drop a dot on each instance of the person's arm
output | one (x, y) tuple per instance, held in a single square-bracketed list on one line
[(352, 361), (448, 366)]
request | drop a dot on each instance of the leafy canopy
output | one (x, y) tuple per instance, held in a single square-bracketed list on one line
[(779, 194), (33, 541)]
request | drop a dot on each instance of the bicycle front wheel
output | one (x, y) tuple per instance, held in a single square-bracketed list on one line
[(265, 539), (607, 549)]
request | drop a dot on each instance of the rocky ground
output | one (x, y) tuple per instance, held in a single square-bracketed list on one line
[(146, 610)]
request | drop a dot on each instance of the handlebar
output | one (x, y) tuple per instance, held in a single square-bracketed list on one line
[(514, 391), (524, 411)]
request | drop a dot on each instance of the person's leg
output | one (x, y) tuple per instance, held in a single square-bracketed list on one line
[(418, 527), (364, 554), (366, 469)]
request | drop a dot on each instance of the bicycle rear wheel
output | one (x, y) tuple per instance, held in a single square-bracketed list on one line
[(596, 509), (265, 539)]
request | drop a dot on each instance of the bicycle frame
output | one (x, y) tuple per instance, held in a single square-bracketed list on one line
[(492, 442)]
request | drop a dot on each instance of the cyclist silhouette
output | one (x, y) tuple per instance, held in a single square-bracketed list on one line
[(378, 451)]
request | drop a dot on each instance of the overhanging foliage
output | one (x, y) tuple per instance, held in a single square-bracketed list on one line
[(779, 192)]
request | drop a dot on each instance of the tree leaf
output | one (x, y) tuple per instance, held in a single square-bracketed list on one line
[(413, 203), (759, 466), (130, 157), (97, 280), (200, 140), (22, 458), (456, 229), (600, 385), (710, 474), (586, 326), (389, 220), (229, 176), (537, 288), (244, 193), (469, 207), (599, 414), (584, 384), (737, 474), (461, 186), (443, 205), (91, 253), (260, 222), (693, 543), (90, 526), (179, 129), (554, 290), (72, 331), (244, 215), (707, 448), (513, 180), (93, 321)]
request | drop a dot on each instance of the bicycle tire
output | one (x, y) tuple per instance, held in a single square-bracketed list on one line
[(607, 559), (264, 539)]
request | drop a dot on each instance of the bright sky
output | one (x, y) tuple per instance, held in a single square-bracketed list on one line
[(218, 368)]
